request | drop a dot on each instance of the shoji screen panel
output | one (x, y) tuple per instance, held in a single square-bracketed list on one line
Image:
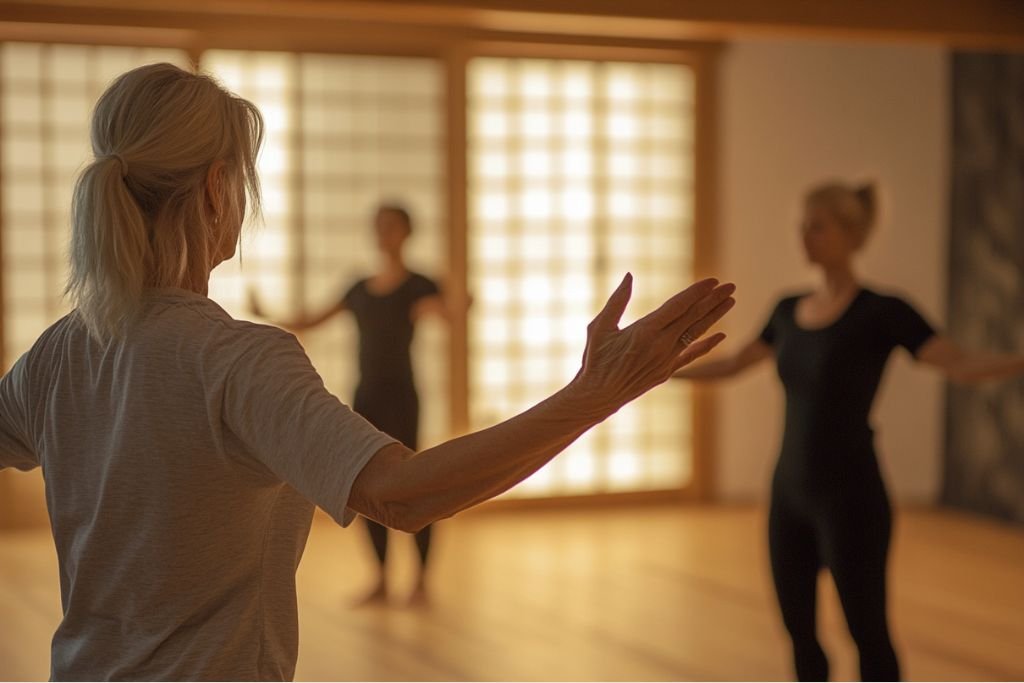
[(579, 171), (343, 133), (47, 92)]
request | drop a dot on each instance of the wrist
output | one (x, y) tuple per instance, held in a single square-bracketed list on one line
[(586, 400)]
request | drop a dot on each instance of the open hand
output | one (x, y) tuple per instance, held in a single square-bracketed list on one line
[(620, 365)]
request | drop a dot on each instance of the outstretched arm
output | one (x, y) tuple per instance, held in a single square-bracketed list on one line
[(969, 367), (434, 304), (444, 305), (407, 490), (729, 366), (297, 324)]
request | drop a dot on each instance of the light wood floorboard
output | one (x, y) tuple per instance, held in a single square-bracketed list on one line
[(641, 593)]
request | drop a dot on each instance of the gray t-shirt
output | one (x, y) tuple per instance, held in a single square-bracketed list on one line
[(182, 465)]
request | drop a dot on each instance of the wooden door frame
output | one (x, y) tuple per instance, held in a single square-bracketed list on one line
[(453, 50), (703, 60)]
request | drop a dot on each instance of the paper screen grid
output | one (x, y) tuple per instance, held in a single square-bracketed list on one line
[(48, 93), (343, 133), (578, 172)]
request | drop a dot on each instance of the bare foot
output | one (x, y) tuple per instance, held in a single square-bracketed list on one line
[(377, 596)]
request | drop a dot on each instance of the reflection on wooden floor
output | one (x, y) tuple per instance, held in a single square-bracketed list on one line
[(622, 594)]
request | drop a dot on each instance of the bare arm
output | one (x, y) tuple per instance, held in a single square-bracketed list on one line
[(969, 367), (444, 305), (435, 304), (409, 490), (729, 366), (297, 324)]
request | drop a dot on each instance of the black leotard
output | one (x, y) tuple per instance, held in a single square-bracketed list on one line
[(829, 506), (386, 394)]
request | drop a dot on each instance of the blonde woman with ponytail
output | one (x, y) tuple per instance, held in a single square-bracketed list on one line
[(183, 450), (829, 507)]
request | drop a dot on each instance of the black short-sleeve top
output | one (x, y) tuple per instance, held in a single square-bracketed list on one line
[(831, 374), (386, 326)]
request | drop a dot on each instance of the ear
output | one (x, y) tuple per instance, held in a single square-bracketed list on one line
[(216, 179)]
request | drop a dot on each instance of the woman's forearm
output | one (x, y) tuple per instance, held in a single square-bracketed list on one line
[(728, 366), (407, 491), (441, 481), (981, 367), (969, 367), (299, 324)]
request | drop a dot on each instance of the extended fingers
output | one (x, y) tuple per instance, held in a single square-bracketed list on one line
[(678, 304), (704, 314)]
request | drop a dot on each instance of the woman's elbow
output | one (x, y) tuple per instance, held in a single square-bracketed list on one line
[(385, 493), (406, 517)]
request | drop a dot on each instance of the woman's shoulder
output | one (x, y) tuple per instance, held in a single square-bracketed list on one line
[(891, 305), (48, 346), (357, 286), (788, 300), (416, 276), (422, 283)]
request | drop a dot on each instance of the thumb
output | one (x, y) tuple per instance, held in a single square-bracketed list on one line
[(613, 309)]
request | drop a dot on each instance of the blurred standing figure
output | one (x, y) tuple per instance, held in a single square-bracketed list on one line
[(829, 506), (387, 307)]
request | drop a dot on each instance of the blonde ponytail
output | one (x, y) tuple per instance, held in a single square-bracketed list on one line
[(109, 248), (140, 215)]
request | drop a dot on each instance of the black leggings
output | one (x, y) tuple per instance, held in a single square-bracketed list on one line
[(379, 536), (850, 535), (394, 409)]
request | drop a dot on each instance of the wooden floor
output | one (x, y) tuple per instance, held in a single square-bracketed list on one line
[(661, 593)]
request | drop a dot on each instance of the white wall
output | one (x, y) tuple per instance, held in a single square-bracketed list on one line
[(793, 114)]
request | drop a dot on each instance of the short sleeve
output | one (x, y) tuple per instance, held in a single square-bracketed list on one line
[(350, 293), (907, 327), (16, 443), (424, 287), (277, 405), (770, 331)]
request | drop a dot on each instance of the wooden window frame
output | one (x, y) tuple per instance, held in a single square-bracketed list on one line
[(454, 48)]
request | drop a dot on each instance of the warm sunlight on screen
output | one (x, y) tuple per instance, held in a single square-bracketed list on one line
[(579, 171), (342, 134), (48, 93)]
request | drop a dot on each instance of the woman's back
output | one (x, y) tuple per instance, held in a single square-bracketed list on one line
[(164, 458)]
